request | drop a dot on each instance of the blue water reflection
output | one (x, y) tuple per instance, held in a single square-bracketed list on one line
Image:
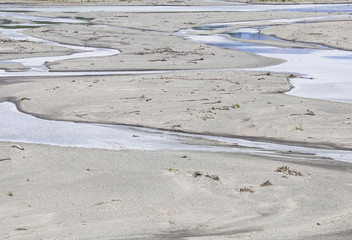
[(341, 57), (252, 36), (343, 8), (256, 48)]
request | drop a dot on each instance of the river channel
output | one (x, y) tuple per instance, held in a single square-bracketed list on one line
[(21, 127)]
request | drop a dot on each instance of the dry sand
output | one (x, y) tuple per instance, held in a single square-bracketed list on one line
[(146, 51), (71, 193), (147, 41), (12, 49), (333, 34)]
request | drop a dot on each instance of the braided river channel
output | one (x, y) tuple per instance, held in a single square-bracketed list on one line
[(329, 70)]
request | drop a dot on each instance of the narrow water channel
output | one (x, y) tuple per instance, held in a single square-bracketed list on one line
[(326, 72), (20, 127)]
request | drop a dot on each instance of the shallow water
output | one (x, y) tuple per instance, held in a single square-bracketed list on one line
[(21, 127), (251, 34)]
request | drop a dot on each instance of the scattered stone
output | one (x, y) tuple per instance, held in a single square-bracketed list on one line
[(266, 184), (10, 194)]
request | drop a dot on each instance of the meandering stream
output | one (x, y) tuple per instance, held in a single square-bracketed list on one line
[(20, 127)]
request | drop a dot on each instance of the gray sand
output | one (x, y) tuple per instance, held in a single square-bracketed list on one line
[(52, 192)]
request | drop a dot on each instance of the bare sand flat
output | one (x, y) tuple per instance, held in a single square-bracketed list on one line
[(142, 50), (332, 34), (12, 49), (70, 193)]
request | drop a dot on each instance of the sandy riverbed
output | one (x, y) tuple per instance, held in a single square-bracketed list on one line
[(189, 101), (194, 101), (78, 193)]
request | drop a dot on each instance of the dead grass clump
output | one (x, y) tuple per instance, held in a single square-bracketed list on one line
[(199, 174), (288, 171)]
